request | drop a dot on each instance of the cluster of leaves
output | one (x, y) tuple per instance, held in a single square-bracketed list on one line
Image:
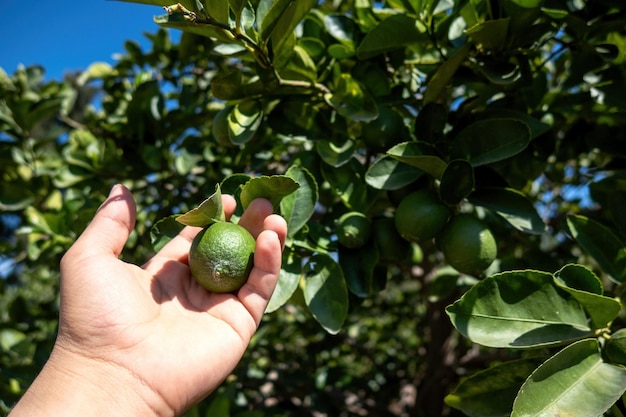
[(511, 110)]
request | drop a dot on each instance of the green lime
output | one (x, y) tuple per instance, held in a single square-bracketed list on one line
[(467, 244), (221, 257), (353, 229), (421, 215)]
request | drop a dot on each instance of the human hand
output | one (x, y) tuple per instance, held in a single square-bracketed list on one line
[(148, 340)]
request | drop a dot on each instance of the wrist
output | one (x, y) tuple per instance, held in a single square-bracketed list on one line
[(72, 384)]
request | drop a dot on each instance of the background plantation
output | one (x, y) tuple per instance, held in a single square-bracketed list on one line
[(512, 112)]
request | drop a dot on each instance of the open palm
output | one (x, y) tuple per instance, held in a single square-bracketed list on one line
[(173, 338)]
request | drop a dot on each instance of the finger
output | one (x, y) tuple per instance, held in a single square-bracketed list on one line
[(255, 294), (255, 214), (109, 230), (177, 249)]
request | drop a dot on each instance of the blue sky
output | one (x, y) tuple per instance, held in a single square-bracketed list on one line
[(69, 35)]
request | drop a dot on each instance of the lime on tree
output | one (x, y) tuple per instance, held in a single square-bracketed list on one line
[(467, 244), (353, 229), (221, 257), (421, 215)]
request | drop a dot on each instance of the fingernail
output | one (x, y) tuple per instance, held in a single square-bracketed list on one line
[(114, 189)]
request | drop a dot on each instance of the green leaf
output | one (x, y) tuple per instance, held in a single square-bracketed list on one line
[(583, 284), (615, 348), (537, 127), (273, 15), (187, 24), (491, 392), (298, 207), (574, 382), (518, 309), (325, 292), (208, 212), (395, 32), (282, 34), (244, 120), (491, 140), (388, 173), (351, 100), (358, 268), (15, 195), (335, 155), (442, 77), (457, 181), (512, 205), (165, 230), (273, 188), (237, 7), (601, 243), (579, 277), (218, 10), (348, 182), (420, 155), (288, 280), (490, 34)]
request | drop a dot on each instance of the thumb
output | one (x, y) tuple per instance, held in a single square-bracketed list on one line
[(109, 230)]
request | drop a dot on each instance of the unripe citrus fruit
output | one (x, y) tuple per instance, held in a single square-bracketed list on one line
[(391, 246), (467, 244), (221, 257), (421, 215), (353, 229)]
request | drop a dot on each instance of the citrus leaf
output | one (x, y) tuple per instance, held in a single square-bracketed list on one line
[(440, 80), (505, 138), (335, 155), (491, 392), (347, 181), (358, 268), (272, 17), (573, 382), (182, 22), (351, 100), (388, 173), (601, 243), (273, 188), (325, 292), (397, 31), (518, 309), (165, 230), (579, 277), (244, 120), (457, 181), (298, 207), (283, 23), (209, 211), (288, 280), (512, 205), (419, 155), (578, 280), (615, 348)]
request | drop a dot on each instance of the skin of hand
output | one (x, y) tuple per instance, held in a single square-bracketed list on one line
[(148, 341)]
